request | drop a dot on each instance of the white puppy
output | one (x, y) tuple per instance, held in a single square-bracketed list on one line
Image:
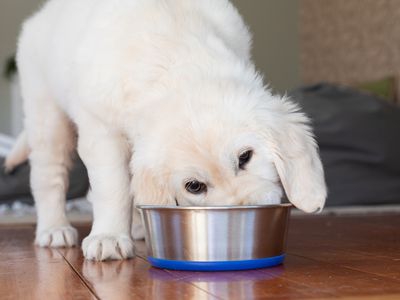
[(167, 107)]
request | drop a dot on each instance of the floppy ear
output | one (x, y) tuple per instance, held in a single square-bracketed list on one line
[(295, 154), (152, 188)]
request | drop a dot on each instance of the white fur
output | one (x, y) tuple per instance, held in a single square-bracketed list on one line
[(159, 92)]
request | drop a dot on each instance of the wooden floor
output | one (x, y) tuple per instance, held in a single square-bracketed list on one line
[(328, 257)]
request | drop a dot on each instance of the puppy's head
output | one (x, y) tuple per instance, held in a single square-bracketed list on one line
[(230, 152)]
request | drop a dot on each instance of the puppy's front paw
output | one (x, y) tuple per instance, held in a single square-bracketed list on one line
[(65, 236), (108, 247)]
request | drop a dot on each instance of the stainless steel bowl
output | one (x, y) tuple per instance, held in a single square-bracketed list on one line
[(201, 235)]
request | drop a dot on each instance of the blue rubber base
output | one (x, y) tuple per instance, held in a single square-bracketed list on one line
[(234, 265)]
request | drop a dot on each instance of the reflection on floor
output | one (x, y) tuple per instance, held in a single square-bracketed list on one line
[(328, 257)]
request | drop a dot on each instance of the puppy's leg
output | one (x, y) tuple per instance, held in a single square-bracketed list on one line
[(106, 154), (51, 139)]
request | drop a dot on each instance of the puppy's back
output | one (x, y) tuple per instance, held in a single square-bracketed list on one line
[(80, 45)]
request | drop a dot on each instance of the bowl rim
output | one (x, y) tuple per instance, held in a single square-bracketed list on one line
[(234, 207)]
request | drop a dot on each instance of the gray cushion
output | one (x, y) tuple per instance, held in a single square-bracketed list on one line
[(16, 185), (359, 139)]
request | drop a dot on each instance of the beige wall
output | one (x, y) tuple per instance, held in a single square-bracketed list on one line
[(273, 22), (349, 41), (12, 13)]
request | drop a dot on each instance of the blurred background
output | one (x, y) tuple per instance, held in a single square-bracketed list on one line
[(339, 59)]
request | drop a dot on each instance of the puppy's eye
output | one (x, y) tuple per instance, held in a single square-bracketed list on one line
[(195, 187), (244, 158)]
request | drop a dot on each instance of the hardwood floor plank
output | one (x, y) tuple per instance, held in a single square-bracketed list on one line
[(129, 279), (298, 278), (379, 297), (40, 280), (29, 272), (336, 279), (381, 266), (352, 257), (254, 284), (367, 244)]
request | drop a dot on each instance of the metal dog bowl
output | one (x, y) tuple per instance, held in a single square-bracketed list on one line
[(215, 238)]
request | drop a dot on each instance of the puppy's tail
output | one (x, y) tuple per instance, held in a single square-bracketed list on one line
[(19, 153)]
